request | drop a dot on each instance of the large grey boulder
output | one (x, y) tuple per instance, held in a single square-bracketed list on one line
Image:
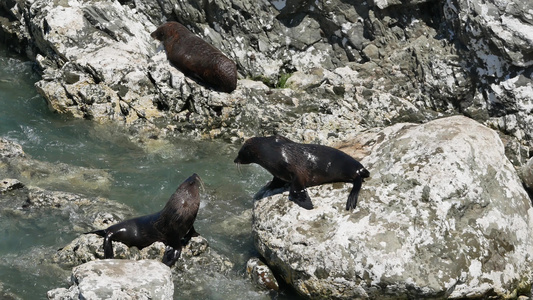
[(118, 279), (444, 215)]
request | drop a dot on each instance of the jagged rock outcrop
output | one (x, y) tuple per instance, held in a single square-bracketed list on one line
[(498, 37), (355, 66), (443, 215), (118, 279)]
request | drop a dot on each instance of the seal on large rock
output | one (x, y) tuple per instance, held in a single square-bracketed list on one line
[(195, 57), (173, 225), (303, 165)]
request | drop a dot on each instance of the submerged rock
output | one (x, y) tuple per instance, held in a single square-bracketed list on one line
[(16, 164), (444, 215), (118, 279)]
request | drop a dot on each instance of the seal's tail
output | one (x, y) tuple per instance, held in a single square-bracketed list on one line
[(98, 232)]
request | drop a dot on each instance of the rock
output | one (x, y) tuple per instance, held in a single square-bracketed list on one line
[(444, 214), (16, 164), (196, 270), (79, 213), (355, 65), (526, 174), (7, 295), (497, 38), (261, 274), (9, 184), (118, 279), (9, 149), (89, 247)]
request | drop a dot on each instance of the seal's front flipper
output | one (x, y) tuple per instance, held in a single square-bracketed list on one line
[(354, 194), (275, 186), (299, 195), (192, 233), (108, 246), (171, 255), (276, 183)]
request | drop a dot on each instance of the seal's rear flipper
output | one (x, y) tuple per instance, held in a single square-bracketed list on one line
[(192, 233), (354, 194), (301, 198)]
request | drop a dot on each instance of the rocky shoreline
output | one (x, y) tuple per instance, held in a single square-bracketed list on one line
[(360, 77)]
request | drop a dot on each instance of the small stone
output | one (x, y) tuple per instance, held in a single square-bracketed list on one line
[(261, 274), (9, 184)]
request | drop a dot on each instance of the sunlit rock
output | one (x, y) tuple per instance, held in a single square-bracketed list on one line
[(443, 214), (261, 274), (118, 279)]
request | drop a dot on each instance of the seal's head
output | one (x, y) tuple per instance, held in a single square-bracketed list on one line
[(173, 30), (190, 188), (247, 153)]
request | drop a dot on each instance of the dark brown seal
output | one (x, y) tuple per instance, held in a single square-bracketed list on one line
[(173, 225), (303, 165), (194, 57)]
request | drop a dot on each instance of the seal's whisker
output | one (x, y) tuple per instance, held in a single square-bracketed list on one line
[(202, 184), (239, 168)]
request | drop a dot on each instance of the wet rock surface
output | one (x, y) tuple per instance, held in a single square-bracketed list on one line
[(443, 215)]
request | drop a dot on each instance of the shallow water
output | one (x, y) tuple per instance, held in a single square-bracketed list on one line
[(142, 179)]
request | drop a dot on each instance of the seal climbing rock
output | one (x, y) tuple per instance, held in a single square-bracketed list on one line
[(195, 57), (173, 225), (303, 165)]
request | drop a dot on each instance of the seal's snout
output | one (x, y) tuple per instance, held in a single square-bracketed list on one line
[(364, 173), (195, 179)]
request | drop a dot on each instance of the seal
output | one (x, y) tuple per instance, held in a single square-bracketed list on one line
[(196, 58), (173, 225), (303, 166)]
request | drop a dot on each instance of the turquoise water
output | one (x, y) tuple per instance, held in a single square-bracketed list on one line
[(142, 179)]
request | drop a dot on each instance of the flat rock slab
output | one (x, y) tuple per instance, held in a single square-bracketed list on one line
[(118, 279)]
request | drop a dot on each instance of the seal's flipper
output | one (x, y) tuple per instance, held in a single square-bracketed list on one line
[(276, 183), (275, 186), (354, 194), (108, 246), (171, 255), (300, 197), (192, 233)]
